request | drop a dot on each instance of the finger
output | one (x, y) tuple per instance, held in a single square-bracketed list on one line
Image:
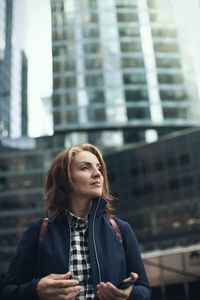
[(134, 276), (69, 290), (67, 275), (72, 295), (111, 291), (63, 283)]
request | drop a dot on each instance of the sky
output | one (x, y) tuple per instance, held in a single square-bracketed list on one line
[(40, 62)]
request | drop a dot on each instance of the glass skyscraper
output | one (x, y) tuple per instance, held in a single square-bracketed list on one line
[(13, 72), (120, 67), (5, 65)]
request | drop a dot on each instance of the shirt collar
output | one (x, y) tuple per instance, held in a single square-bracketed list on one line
[(76, 222)]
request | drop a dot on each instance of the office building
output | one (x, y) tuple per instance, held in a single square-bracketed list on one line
[(13, 71), (157, 186), (120, 69), (5, 65)]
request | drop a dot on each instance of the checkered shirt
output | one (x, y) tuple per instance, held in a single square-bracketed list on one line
[(79, 259)]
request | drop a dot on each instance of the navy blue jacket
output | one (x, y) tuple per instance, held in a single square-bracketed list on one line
[(110, 259)]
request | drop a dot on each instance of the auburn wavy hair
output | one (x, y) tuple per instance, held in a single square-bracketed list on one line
[(59, 184)]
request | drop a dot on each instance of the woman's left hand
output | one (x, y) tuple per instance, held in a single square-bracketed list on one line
[(107, 291)]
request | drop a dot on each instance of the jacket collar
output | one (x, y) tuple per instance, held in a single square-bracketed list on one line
[(98, 207)]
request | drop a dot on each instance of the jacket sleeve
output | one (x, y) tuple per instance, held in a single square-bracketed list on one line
[(134, 263), (19, 283)]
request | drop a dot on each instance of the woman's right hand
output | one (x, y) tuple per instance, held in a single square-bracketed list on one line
[(57, 287)]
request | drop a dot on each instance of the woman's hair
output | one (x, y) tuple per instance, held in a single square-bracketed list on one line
[(59, 184)]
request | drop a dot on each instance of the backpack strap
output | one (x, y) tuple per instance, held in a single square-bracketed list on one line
[(116, 229), (43, 229), (45, 222)]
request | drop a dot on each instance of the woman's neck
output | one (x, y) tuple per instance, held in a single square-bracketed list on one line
[(80, 208)]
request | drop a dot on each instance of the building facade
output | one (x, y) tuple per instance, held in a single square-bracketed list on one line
[(120, 65), (6, 11), (13, 71)]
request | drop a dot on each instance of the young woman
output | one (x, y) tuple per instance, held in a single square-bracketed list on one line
[(80, 256)]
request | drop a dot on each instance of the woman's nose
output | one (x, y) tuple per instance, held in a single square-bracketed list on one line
[(97, 173)]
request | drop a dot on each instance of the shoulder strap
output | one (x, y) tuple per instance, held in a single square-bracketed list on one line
[(43, 229), (116, 229), (46, 221)]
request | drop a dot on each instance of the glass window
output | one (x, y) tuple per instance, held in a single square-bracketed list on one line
[(61, 35), (66, 99), (136, 95), (128, 62), (90, 32), (173, 113), (126, 3), (127, 17), (173, 95), (154, 3), (167, 32), (65, 117), (168, 62), (96, 96), (166, 47), (96, 113), (92, 48), (64, 82), (134, 78), (131, 47), (94, 80), (170, 78), (89, 4), (135, 113), (187, 181), (89, 17), (64, 65), (135, 172), (129, 31), (174, 184), (93, 63), (184, 159), (171, 162)]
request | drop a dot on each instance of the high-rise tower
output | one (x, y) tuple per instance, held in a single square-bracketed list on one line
[(120, 67), (13, 71)]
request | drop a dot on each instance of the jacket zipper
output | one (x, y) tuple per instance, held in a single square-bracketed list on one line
[(69, 243), (95, 247)]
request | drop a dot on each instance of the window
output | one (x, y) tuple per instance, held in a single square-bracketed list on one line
[(136, 95), (184, 159), (135, 172), (174, 184), (159, 165), (135, 62), (131, 47)]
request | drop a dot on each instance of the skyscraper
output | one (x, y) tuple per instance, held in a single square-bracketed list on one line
[(5, 65), (13, 71), (120, 68)]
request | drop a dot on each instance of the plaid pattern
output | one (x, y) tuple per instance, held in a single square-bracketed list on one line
[(79, 260)]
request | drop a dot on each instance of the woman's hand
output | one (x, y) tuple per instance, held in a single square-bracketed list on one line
[(107, 291), (57, 287)]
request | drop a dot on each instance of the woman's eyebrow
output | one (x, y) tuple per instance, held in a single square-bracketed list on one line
[(89, 163)]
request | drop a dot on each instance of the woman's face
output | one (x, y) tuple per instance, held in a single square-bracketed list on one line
[(86, 176)]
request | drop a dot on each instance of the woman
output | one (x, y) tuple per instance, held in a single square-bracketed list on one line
[(80, 255)]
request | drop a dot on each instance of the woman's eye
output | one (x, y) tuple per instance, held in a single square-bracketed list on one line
[(84, 168)]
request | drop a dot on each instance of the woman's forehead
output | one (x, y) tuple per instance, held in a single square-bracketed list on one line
[(85, 156)]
